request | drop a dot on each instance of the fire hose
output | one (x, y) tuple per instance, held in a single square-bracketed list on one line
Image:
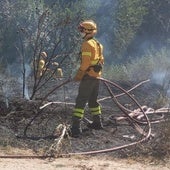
[(146, 135), (135, 122)]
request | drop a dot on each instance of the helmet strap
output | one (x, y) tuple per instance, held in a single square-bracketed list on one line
[(84, 36)]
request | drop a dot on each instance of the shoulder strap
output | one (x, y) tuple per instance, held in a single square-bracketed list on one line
[(100, 50)]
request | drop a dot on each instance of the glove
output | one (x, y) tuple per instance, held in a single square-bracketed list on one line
[(79, 75)]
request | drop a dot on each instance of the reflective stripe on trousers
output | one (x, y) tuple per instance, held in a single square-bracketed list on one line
[(80, 112), (95, 110), (77, 112)]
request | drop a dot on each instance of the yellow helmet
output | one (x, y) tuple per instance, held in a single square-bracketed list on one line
[(87, 26)]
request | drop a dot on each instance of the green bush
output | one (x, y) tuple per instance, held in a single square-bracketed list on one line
[(139, 69), (115, 72)]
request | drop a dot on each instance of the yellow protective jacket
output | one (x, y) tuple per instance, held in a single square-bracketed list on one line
[(41, 68), (41, 65), (91, 54)]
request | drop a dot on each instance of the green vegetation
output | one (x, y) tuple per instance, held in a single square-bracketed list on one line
[(129, 31), (126, 28), (141, 68), (129, 17)]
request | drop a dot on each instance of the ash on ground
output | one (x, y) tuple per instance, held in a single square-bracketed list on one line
[(32, 124)]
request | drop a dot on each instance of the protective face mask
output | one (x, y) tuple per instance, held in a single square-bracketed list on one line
[(83, 34)]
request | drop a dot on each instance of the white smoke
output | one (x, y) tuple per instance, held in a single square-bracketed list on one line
[(162, 78), (16, 72), (158, 77)]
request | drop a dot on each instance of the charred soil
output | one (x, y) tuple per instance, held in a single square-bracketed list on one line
[(33, 127)]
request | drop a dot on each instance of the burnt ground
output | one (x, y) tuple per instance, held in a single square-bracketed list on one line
[(56, 115)]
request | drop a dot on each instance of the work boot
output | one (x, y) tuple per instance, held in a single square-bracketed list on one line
[(97, 123), (76, 130)]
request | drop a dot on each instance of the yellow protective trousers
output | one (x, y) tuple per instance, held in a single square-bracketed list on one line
[(87, 93)]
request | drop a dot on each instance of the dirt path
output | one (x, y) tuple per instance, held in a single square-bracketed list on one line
[(80, 163)]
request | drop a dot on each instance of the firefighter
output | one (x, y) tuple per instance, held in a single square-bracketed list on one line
[(42, 64), (91, 67)]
